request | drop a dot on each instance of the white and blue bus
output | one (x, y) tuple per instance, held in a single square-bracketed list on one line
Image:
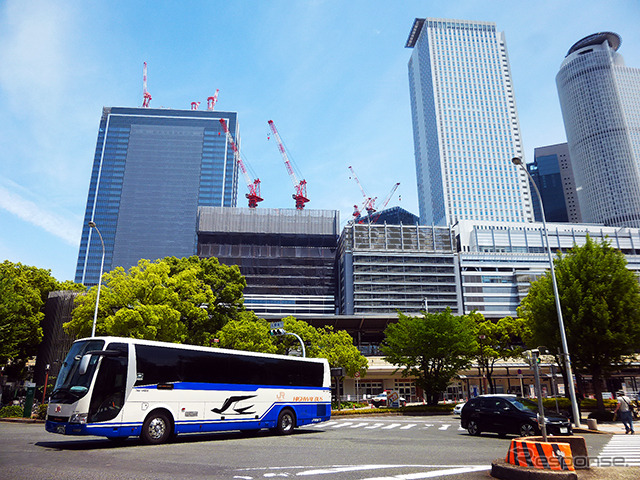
[(122, 387)]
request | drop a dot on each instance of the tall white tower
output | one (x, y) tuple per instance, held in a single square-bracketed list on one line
[(600, 101), (465, 124)]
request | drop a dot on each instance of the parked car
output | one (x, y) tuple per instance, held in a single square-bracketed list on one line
[(508, 414), (380, 400), (457, 410)]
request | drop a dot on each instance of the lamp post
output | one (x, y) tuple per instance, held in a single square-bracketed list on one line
[(563, 336), (95, 313)]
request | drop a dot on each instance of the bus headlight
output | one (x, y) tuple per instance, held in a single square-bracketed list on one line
[(78, 418)]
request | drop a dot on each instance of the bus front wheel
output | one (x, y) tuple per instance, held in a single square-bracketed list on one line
[(286, 422), (156, 428)]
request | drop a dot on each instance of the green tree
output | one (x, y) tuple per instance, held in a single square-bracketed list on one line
[(336, 347), (600, 300), (431, 348), (23, 294), (496, 341), (174, 300), (247, 333)]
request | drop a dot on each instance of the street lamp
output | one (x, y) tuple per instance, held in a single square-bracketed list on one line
[(563, 336), (95, 313)]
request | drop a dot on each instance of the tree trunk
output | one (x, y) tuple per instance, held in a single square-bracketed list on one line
[(596, 379)]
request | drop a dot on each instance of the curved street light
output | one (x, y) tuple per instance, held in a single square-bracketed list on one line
[(563, 336), (95, 313)]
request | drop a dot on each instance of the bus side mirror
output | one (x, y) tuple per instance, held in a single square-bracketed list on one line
[(84, 364)]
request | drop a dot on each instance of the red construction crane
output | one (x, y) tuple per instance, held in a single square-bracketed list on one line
[(300, 186), (211, 101), (195, 105), (146, 97), (253, 185), (386, 201), (369, 202)]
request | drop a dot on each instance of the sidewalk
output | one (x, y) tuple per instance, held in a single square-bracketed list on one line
[(607, 427)]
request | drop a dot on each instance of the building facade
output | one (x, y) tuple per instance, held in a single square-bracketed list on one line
[(551, 171), (499, 261), (600, 101), (287, 256), (152, 169), (385, 268), (465, 124)]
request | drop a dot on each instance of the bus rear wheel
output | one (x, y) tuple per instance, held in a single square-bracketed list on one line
[(156, 429), (286, 422)]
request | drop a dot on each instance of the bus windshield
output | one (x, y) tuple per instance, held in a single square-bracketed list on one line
[(71, 385)]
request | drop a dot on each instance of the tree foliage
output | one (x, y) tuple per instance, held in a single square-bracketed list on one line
[(23, 294), (174, 300), (247, 333), (496, 341), (336, 346), (431, 348), (600, 301)]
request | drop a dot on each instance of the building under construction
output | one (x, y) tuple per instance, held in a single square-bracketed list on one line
[(386, 268), (286, 255)]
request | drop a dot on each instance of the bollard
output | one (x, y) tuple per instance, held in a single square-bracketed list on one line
[(592, 424)]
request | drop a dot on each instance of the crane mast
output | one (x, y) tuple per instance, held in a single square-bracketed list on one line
[(300, 186), (146, 97), (253, 185)]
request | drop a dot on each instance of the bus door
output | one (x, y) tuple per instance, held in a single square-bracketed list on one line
[(110, 386)]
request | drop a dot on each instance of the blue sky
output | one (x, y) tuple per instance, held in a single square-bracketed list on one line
[(331, 74)]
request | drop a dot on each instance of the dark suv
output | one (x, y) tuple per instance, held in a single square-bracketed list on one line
[(506, 414)]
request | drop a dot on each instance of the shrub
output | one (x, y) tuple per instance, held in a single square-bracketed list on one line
[(11, 411), (41, 412)]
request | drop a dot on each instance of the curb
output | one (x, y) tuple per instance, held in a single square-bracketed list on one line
[(586, 430), (505, 471), (21, 420)]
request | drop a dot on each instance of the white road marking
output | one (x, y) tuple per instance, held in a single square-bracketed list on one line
[(407, 427), (444, 427), (389, 427), (375, 425)]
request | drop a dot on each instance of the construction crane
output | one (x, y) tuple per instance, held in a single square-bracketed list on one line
[(386, 201), (195, 105), (146, 97), (211, 101), (300, 186), (369, 202), (253, 185)]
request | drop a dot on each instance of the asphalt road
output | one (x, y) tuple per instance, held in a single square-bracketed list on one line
[(347, 448)]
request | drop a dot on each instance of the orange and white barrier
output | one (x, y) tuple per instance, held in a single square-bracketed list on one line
[(543, 455)]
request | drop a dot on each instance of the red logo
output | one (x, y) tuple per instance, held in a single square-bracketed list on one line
[(58, 408)]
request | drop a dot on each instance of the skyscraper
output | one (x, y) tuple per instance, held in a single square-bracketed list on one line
[(152, 169), (600, 101), (551, 170), (465, 124)]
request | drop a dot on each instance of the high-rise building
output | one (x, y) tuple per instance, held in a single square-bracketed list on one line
[(600, 101), (287, 256), (152, 169), (465, 124), (551, 170)]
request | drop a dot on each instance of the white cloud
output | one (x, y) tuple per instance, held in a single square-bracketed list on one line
[(62, 227)]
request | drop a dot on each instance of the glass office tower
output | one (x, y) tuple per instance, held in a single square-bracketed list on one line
[(600, 101), (465, 124), (152, 169)]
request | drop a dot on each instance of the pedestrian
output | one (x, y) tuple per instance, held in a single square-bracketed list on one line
[(625, 412)]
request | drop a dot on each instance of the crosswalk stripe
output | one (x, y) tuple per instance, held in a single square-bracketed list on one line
[(625, 446), (389, 427), (444, 427), (345, 424), (407, 427), (375, 425)]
